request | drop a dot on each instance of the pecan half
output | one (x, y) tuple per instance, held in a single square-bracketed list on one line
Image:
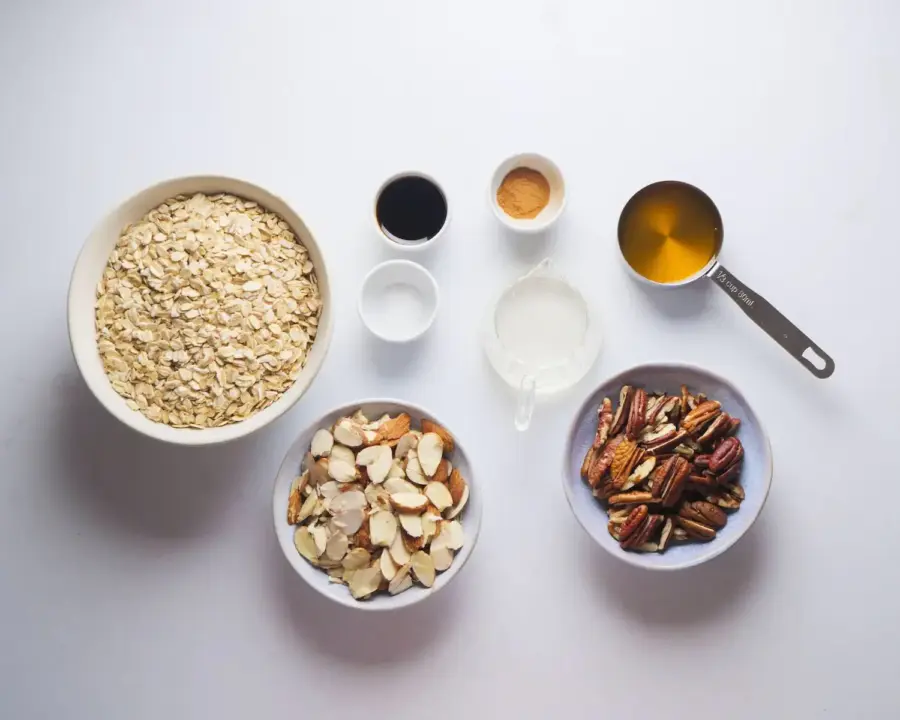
[(686, 400), (735, 490), (665, 534), (696, 530), (666, 442), (725, 454), (717, 427), (633, 521), (723, 499), (602, 461), (660, 477), (621, 416), (626, 458), (704, 512), (654, 405), (700, 416), (735, 424), (706, 482), (643, 533), (731, 472), (636, 414), (632, 498), (673, 489), (702, 461), (605, 415)]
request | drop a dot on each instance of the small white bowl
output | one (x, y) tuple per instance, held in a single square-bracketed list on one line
[(82, 298), (398, 301), (549, 214), (318, 580), (409, 246), (756, 476)]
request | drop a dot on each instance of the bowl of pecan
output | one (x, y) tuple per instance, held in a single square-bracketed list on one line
[(667, 466)]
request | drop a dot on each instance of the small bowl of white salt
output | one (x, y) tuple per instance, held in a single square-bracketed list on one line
[(399, 301)]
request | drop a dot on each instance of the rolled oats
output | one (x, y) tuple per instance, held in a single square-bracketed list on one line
[(206, 311)]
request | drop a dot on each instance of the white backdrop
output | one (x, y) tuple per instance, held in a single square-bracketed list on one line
[(142, 581)]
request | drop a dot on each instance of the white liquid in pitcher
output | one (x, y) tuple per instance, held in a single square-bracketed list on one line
[(541, 322)]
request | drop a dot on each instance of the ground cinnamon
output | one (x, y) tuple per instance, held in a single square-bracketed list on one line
[(523, 193)]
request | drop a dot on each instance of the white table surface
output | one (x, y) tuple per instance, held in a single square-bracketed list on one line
[(142, 581)]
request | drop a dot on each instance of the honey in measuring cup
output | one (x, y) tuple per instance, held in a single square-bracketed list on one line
[(669, 231)]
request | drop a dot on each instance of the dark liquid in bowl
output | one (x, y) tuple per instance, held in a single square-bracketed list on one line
[(411, 209)]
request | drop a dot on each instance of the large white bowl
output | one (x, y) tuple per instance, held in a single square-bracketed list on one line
[(82, 297), (756, 476), (470, 518)]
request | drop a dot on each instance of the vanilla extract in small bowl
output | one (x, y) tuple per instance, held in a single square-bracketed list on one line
[(411, 211)]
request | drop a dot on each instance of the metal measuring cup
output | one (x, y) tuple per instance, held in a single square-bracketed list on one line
[(754, 305)]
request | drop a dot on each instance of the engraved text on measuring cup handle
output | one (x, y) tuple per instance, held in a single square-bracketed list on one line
[(782, 330)]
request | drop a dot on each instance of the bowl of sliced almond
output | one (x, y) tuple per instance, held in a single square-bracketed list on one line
[(374, 506)]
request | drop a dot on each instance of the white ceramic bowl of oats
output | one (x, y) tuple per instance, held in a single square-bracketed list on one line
[(199, 310), (371, 554)]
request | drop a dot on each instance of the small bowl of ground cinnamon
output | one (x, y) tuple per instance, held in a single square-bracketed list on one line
[(528, 193)]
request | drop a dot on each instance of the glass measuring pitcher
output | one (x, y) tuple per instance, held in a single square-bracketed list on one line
[(541, 337)]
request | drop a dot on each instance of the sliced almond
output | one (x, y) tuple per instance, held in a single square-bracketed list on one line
[(342, 453), (356, 559), (320, 536), (359, 418), (458, 508), (348, 522), (295, 504), (409, 502), (329, 490), (342, 471), (401, 580), (398, 551), (318, 470), (457, 486), (378, 497), (430, 451), (413, 544), (306, 546), (413, 469), (391, 430), (309, 505), (351, 500), (422, 568), (411, 524), (443, 472), (337, 546), (348, 433), (429, 526), (454, 531), (407, 442), (382, 528), (365, 581), (442, 558), (397, 470), (322, 443), (429, 426), (377, 460), (398, 485), (388, 567), (439, 495)]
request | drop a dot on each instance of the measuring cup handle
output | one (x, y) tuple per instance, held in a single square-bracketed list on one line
[(525, 402), (782, 330)]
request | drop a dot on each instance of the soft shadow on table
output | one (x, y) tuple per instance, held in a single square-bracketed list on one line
[(398, 359), (676, 303), (524, 250), (139, 485), (684, 597), (355, 636)]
